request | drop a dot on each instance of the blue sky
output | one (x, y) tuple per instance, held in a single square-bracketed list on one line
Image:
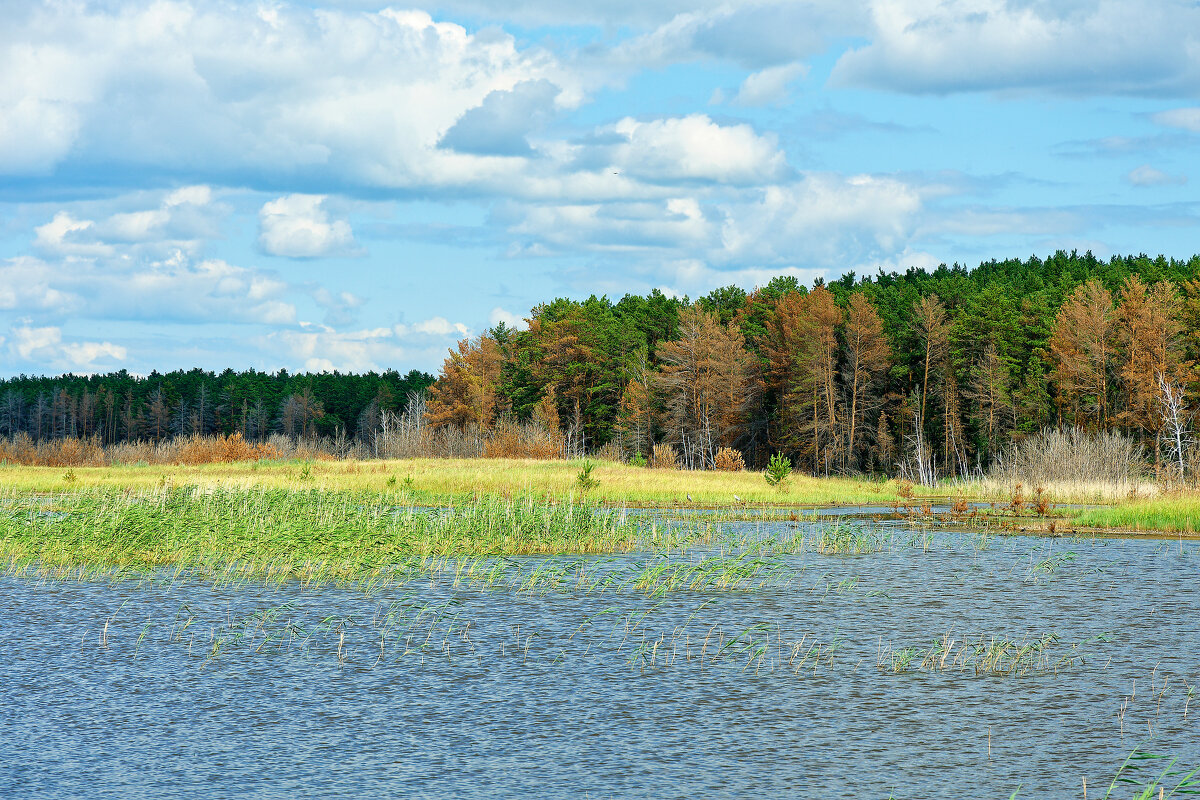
[(341, 185)]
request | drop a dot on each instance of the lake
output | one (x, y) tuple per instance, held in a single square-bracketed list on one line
[(936, 663)]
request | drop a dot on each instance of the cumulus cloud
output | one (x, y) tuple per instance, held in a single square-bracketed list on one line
[(499, 125), (65, 235), (31, 284), (45, 345), (967, 45), (174, 289), (263, 90), (321, 348), (824, 219), (752, 34), (675, 222), (180, 219), (1146, 175), (768, 86), (299, 226), (692, 148), (439, 326)]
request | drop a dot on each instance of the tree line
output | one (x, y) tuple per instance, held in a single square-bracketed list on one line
[(120, 407), (937, 370)]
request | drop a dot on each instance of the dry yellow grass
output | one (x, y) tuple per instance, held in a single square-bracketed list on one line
[(618, 483)]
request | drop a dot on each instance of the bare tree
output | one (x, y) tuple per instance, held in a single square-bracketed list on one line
[(1175, 433)]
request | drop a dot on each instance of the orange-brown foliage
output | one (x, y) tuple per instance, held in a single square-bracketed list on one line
[(729, 460)]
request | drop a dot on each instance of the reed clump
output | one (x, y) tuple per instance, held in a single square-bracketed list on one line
[(1072, 462), (309, 533), (993, 655)]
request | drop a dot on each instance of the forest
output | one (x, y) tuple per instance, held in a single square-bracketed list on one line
[(933, 371), (120, 407), (937, 371)]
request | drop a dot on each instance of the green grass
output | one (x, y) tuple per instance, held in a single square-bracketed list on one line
[(438, 482), (306, 534), (1166, 513)]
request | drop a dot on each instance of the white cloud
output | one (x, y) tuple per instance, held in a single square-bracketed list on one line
[(176, 289), (694, 148), (675, 222), (1110, 47), (65, 235), (824, 219), (510, 319), (45, 345), (321, 348), (696, 278), (178, 220), (1186, 118), (755, 34), (1146, 175), (769, 86), (84, 354), (499, 125), (350, 97), (29, 341), (298, 226), (439, 326)]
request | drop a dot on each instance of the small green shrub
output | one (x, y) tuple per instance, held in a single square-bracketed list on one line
[(584, 479), (778, 470)]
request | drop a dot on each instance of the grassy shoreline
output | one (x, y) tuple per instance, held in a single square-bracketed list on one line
[(434, 482)]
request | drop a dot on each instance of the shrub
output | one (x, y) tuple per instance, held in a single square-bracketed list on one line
[(584, 479), (664, 457), (729, 460), (778, 470), (1071, 456), (610, 452)]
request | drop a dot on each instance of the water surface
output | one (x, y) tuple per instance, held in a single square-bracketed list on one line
[(782, 685)]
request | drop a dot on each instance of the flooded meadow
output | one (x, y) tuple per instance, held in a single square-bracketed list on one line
[(715, 657)]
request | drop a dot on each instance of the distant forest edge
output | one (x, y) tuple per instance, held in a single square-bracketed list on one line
[(936, 370)]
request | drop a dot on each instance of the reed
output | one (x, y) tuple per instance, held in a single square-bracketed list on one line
[(308, 534)]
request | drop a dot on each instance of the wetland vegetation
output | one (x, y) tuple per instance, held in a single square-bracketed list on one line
[(1035, 663)]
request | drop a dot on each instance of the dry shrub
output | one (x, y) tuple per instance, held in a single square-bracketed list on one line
[(22, 450), (221, 449), (1072, 457), (729, 460), (664, 457), (1041, 504), (610, 452), (1018, 498), (512, 439)]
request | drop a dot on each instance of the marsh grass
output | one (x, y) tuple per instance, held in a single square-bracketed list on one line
[(986, 655), (842, 539), (1149, 776), (309, 534)]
